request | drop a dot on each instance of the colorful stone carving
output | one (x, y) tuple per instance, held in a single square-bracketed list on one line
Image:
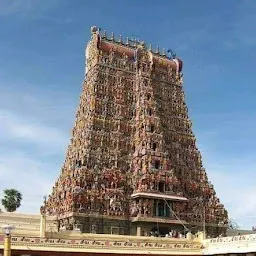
[(132, 135)]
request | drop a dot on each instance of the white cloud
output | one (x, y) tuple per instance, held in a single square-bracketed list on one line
[(233, 178), (32, 163), (32, 148), (34, 133), (8, 7), (33, 178), (234, 183), (24, 7), (17, 127)]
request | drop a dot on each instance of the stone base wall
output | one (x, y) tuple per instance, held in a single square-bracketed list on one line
[(97, 225), (116, 226)]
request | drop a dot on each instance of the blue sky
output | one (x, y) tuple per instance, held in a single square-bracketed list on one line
[(42, 67)]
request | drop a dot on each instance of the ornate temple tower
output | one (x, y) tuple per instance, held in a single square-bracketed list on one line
[(132, 166)]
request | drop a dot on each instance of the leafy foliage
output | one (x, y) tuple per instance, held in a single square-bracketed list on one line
[(12, 200)]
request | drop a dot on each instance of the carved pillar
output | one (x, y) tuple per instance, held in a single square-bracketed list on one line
[(138, 231), (42, 225), (157, 212)]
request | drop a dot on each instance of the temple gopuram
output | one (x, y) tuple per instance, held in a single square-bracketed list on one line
[(132, 166)]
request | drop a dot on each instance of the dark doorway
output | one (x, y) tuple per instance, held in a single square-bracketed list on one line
[(161, 187)]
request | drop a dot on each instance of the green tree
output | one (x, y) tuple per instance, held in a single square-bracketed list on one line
[(12, 199)]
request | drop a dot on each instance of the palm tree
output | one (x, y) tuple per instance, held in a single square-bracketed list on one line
[(12, 200)]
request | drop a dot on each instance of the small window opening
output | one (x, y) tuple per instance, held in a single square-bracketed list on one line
[(154, 146), (161, 209), (152, 128), (161, 186), (144, 67), (157, 164), (78, 163)]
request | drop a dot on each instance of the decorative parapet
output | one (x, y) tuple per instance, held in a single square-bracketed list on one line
[(109, 244), (232, 244)]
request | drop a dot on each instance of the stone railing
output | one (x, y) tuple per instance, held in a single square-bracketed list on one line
[(232, 244), (108, 243)]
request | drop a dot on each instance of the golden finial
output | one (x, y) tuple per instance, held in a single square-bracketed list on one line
[(113, 36), (143, 44), (104, 34), (120, 39)]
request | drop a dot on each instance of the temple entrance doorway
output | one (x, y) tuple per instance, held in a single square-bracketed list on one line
[(160, 231)]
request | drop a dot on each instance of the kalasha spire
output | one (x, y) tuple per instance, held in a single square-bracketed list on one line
[(132, 165)]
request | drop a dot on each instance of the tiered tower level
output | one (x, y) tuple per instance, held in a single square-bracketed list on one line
[(132, 165)]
